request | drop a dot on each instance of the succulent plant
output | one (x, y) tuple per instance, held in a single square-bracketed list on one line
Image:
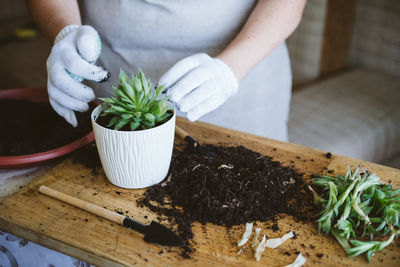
[(358, 206), (136, 103)]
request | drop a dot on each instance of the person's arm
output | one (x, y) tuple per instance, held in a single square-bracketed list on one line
[(270, 23), (53, 15)]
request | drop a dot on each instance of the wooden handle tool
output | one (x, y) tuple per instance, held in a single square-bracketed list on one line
[(193, 144), (153, 233), (186, 137)]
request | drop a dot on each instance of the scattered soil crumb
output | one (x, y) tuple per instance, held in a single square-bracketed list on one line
[(275, 227), (320, 255), (186, 252)]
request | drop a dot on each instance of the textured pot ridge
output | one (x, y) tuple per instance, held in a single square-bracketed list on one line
[(135, 159)]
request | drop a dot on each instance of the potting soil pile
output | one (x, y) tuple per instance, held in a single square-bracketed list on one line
[(28, 127), (236, 187)]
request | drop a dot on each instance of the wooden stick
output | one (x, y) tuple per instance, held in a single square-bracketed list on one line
[(180, 132), (92, 208)]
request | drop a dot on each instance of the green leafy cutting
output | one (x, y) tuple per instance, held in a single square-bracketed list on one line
[(357, 209), (136, 103)]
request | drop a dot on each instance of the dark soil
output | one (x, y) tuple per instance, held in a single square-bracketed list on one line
[(275, 227), (28, 128), (236, 187), (88, 157)]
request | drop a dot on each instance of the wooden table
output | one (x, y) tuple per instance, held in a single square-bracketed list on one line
[(72, 231)]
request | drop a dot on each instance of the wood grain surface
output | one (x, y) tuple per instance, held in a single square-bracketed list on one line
[(75, 232)]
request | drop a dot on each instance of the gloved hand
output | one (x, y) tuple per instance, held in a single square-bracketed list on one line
[(199, 84), (71, 60)]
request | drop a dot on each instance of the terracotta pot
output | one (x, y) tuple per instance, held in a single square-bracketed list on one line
[(25, 161), (135, 159)]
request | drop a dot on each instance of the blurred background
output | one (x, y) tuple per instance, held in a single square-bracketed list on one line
[(345, 58)]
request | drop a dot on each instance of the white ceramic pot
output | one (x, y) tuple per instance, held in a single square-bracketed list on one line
[(134, 159)]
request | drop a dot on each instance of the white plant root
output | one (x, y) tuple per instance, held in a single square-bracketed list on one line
[(276, 242), (246, 234), (255, 241), (242, 249), (260, 249), (270, 243), (299, 261)]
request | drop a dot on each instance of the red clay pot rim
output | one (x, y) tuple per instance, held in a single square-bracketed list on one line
[(37, 94)]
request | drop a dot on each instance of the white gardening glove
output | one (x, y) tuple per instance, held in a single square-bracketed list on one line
[(71, 60), (199, 84)]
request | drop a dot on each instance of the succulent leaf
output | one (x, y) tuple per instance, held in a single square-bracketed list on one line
[(349, 201), (134, 125), (113, 121), (121, 123), (136, 103)]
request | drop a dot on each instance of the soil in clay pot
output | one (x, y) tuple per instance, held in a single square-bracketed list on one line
[(28, 128)]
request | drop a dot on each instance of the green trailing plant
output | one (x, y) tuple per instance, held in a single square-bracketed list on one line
[(136, 103), (361, 212)]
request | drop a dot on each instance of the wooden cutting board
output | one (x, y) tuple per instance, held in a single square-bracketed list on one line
[(72, 231)]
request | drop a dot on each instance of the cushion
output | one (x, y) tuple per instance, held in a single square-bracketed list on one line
[(355, 114)]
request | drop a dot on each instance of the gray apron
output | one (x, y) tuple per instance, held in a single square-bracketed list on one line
[(155, 34)]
